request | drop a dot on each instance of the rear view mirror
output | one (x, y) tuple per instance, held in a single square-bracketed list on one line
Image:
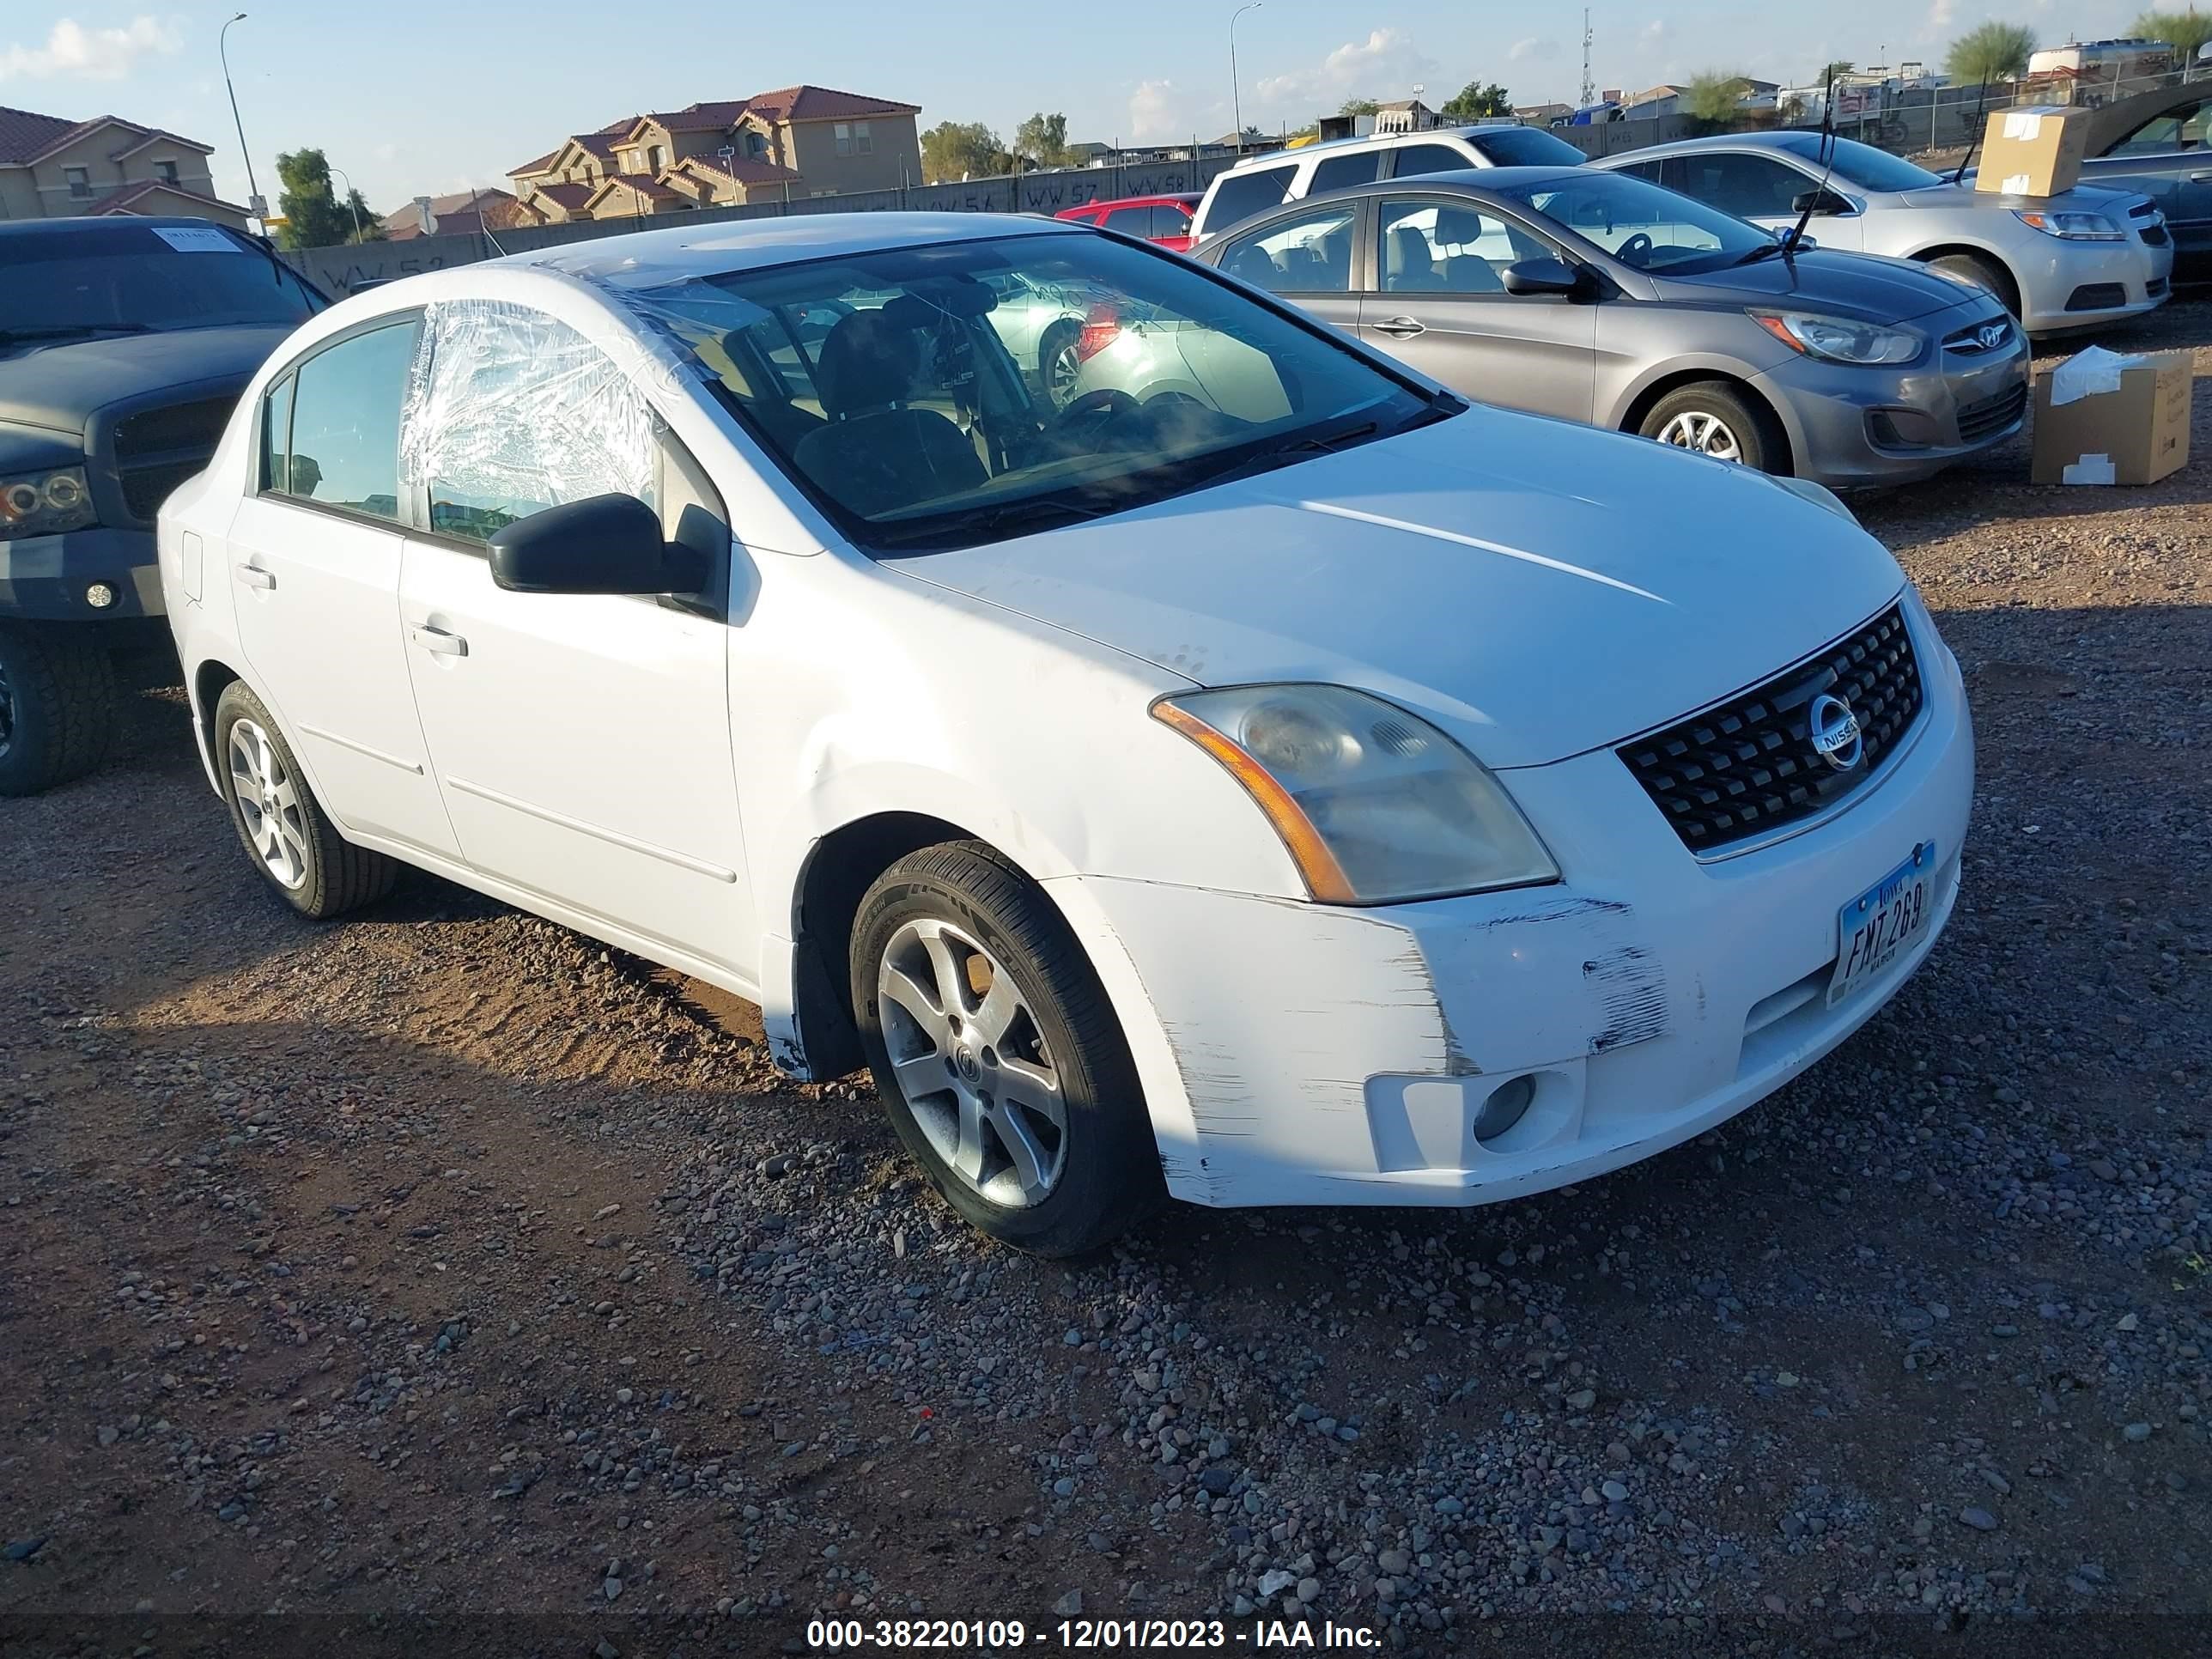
[(1542, 277), (602, 544), (1819, 202)]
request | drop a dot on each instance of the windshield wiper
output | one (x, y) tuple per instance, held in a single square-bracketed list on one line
[(989, 523), (64, 330), (1765, 249)]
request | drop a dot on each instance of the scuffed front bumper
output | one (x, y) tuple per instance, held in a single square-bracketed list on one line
[(1317, 1055), (46, 578)]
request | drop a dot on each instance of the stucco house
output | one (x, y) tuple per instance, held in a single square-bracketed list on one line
[(793, 143), (462, 210), (52, 167)]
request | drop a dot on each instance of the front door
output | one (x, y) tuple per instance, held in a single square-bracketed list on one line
[(2169, 159), (583, 741), (1306, 257), (1440, 304), (1765, 191), (313, 560)]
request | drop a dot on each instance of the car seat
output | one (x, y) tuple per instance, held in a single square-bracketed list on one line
[(878, 454)]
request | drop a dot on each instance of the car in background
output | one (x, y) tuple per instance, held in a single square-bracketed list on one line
[(1367, 798), (1598, 297), (1165, 220), (2059, 263), (2161, 143), (1260, 182), (124, 343)]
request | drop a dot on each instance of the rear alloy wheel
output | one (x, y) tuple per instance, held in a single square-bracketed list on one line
[(283, 827), (997, 1055), (1716, 420)]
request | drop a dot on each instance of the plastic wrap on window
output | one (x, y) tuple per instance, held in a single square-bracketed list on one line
[(513, 411)]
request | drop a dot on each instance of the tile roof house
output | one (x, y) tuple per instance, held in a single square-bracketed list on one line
[(794, 141), (53, 168), (463, 210)]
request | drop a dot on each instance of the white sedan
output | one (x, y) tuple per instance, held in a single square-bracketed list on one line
[(1300, 789)]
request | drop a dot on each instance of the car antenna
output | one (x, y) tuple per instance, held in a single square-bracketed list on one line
[(1974, 134), (1827, 167)]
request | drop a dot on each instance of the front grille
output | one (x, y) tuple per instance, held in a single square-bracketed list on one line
[(145, 487), (1747, 766), (2097, 296), (157, 449), (1967, 342), (1979, 420)]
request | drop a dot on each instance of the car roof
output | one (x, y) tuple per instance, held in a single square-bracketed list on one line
[(1179, 197), (1358, 140), (1466, 181), (114, 223), (648, 258), (1800, 144)]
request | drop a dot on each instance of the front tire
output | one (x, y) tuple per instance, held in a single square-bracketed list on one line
[(1713, 418), (996, 1055), (1059, 369), (59, 705), (1982, 273), (280, 824)]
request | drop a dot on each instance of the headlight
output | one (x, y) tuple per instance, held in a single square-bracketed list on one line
[(2072, 227), (1819, 494), (1375, 805), (1838, 340), (43, 503)]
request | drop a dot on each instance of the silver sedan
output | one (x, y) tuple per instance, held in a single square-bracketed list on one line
[(2086, 257)]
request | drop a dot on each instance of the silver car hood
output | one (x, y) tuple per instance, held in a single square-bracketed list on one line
[(2083, 198)]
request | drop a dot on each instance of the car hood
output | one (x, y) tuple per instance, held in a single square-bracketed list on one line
[(61, 386), (1860, 285), (2083, 198), (1531, 619)]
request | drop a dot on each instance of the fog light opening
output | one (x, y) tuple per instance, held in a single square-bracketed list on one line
[(1506, 1105), (100, 596)]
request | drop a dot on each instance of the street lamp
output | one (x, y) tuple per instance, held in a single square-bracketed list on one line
[(254, 205), (351, 208), (1236, 92)]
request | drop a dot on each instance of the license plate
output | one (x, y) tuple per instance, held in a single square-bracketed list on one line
[(1884, 922)]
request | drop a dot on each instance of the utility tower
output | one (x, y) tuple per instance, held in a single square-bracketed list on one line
[(1589, 87)]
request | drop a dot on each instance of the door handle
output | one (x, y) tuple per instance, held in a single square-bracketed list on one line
[(254, 576), (2200, 178), (1400, 328), (439, 643)]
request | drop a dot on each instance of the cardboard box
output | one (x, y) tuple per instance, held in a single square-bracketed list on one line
[(2102, 418), (2034, 152)]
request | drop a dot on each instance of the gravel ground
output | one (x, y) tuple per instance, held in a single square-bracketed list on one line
[(444, 1269)]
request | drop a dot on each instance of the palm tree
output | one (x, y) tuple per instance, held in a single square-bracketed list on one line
[(1993, 51)]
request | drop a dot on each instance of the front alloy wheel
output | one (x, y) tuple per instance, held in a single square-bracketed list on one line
[(1706, 432)]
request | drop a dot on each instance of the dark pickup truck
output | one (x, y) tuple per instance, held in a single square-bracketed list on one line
[(123, 345)]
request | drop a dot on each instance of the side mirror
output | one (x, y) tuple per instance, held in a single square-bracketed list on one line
[(1542, 277), (1822, 203), (602, 544)]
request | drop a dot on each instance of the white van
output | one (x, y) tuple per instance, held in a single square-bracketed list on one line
[(1285, 175)]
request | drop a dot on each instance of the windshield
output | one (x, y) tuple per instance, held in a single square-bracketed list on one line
[(139, 279), (1525, 146), (1865, 166), (1639, 223), (939, 396)]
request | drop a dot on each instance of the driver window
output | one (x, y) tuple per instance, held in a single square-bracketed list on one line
[(1309, 254), (1749, 186), (2176, 130), (1449, 247), (1595, 215)]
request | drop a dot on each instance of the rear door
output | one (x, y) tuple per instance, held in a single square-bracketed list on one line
[(314, 556), (1439, 303), (1308, 257)]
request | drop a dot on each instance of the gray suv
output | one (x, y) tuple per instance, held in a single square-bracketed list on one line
[(1598, 297)]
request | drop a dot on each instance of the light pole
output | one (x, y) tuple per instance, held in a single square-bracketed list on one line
[(351, 208), (253, 201), (1236, 92)]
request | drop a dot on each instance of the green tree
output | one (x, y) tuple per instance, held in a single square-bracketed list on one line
[(1475, 100), (1359, 107), (956, 149), (372, 227), (1990, 51), (313, 216), (1711, 99), (2184, 31), (1042, 142), (1835, 70)]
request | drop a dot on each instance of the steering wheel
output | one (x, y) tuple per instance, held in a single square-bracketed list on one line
[(1633, 251), (1099, 408)]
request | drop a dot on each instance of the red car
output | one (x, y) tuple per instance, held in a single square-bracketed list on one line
[(1162, 219)]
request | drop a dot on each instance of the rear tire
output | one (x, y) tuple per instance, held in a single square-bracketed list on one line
[(1018, 1099), (1713, 418), (58, 704), (1982, 273), (1057, 367), (280, 824)]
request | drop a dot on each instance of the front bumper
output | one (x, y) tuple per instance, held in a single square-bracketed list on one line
[(46, 578), (2137, 277), (1310, 1054), (1850, 425)]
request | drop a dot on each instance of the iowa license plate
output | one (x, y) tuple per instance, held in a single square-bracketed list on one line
[(1884, 923)]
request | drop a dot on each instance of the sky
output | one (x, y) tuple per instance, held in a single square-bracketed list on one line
[(424, 97)]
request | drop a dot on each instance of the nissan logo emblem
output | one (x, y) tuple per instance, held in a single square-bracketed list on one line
[(1835, 731)]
